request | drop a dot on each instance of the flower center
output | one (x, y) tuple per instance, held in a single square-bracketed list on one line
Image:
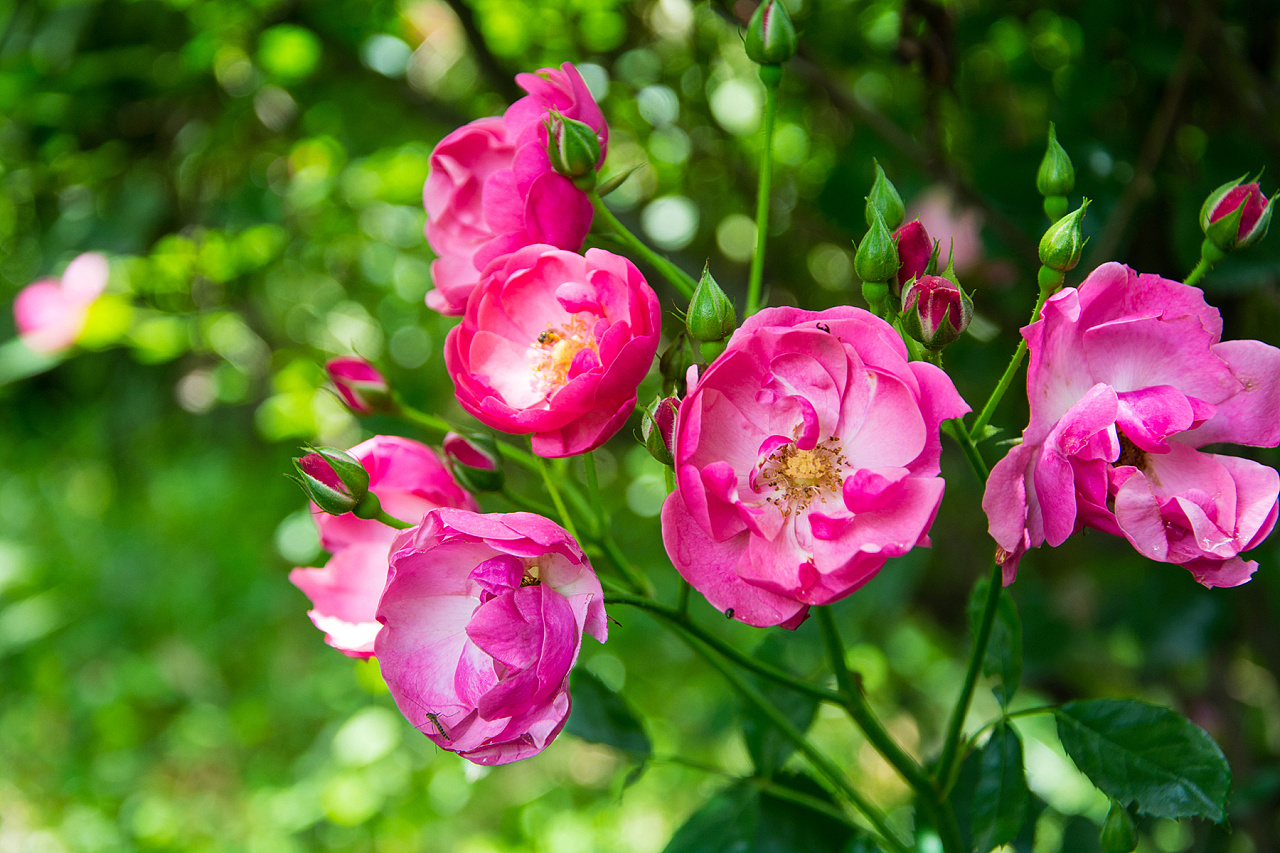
[(799, 476), (532, 572), (553, 351), (1131, 454)]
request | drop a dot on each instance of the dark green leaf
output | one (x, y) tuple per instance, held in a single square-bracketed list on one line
[(769, 749), (1004, 651), (1000, 796), (1147, 755), (600, 715)]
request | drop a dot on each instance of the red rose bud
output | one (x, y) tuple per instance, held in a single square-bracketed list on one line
[(771, 37), (1236, 215), (658, 428), (474, 461), (334, 480), (361, 386), (574, 148), (915, 249), (935, 311)]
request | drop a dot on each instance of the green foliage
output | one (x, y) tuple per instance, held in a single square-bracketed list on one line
[(599, 715), (1001, 800), (1148, 756), (769, 750), (1004, 650)]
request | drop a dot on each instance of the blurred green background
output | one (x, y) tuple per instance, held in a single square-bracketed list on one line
[(254, 169)]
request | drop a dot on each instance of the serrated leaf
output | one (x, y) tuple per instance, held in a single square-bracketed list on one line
[(599, 715), (768, 748), (1148, 756), (1004, 651), (1000, 795)]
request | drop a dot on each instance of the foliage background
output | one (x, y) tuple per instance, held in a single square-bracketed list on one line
[(254, 168)]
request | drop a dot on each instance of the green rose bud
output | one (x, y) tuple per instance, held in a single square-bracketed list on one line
[(771, 37), (877, 257), (1056, 177), (573, 147), (333, 479), (711, 316), (1061, 245), (658, 427), (1118, 832), (885, 200)]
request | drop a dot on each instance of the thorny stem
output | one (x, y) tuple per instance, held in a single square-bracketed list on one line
[(756, 278), (679, 279), (971, 451)]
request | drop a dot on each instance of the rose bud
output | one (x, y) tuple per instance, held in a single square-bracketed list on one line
[(885, 199), (935, 311), (1061, 245), (335, 480), (1118, 832), (474, 461), (915, 251), (1236, 215), (658, 427), (771, 37), (674, 364), (1056, 177), (711, 316), (362, 387), (573, 148), (876, 263)]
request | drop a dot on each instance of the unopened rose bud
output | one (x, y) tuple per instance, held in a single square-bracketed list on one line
[(1236, 215), (877, 257), (771, 37), (935, 311), (915, 250), (362, 387), (1056, 177), (658, 428), (711, 315), (1061, 245), (674, 364), (473, 458), (334, 480), (885, 200), (574, 148), (1118, 832)]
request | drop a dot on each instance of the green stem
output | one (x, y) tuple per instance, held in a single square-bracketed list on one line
[(971, 451), (679, 279), (565, 518), (756, 278), (604, 533), (1209, 255), (972, 740), (682, 601), (681, 622), (391, 521), (818, 759), (593, 494), (1202, 266), (422, 419), (955, 727), (526, 504), (984, 417)]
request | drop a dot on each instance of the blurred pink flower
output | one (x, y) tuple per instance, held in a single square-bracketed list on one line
[(806, 455), (491, 189), (51, 313), (959, 229), (409, 479), (554, 344), (1127, 378), (361, 385), (482, 620)]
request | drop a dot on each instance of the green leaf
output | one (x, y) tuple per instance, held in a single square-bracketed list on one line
[(1004, 651), (1146, 755), (744, 819), (600, 715), (768, 748), (1001, 798)]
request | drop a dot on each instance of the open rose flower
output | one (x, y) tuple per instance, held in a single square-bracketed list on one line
[(806, 455), (408, 479), (483, 619), (491, 189), (51, 313), (554, 344), (1128, 377)]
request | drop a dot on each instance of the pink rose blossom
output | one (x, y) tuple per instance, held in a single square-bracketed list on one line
[(554, 344), (492, 190), (482, 620), (409, 480), (1128, 377), (806, 455), (958, 228), (51, 313)]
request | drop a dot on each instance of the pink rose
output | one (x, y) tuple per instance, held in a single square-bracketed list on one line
[(51, 313), (806, 455), (1127, 377), (409, 480), (361, 385), (959, 228), (554, 344), (482, 620), (491, 189)]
